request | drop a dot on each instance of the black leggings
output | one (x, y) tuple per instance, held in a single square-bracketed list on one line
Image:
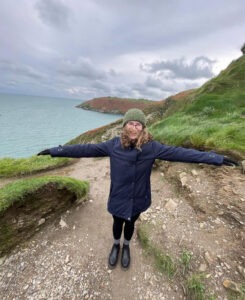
[(128, 227)]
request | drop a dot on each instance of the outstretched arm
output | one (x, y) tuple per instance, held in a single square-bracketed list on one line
[(80, 150), (172, 153)]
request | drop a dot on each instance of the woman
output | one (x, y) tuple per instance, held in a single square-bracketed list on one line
[(131, 158)]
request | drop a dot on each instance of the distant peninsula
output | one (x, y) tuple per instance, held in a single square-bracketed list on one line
[(114, 105)]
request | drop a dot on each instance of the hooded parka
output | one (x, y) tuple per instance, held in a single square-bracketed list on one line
[(130, 190)]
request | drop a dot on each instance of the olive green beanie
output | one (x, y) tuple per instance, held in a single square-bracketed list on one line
[(134, 114)]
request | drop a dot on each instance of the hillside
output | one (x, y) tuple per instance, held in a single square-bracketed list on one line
[(211, 117), (114, 105)]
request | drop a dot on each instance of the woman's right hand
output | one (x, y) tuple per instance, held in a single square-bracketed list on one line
[(44, 152)]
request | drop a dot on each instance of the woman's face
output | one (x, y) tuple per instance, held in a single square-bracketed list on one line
[(134, 129)]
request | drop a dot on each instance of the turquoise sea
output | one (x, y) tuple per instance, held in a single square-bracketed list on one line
[(29, 124)]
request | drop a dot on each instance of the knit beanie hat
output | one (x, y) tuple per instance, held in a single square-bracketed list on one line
[(134, 114)]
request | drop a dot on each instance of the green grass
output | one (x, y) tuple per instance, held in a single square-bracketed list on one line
[(185, 259), (218, 125), (16, 191), (195, 288), (26, 166), (212, 118), (163, 262)]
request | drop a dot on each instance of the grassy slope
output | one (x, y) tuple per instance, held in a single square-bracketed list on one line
[(25, 166), (212, 117), (16, 191)]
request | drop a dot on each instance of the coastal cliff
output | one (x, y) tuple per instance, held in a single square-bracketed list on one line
[(114, 105)]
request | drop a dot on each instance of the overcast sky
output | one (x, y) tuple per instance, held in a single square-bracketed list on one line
[(125, 48)]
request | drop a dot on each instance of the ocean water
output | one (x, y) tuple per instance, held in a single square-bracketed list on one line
[(29, 124)]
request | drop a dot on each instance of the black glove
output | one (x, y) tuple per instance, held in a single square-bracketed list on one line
[(44, 152), (230, 162)]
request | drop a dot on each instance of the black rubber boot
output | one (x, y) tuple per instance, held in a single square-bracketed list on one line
[(125, 261), (113, 257)]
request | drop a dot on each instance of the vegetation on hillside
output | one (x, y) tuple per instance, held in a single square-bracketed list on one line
[(212, 117), (114, 105), (26, 166)]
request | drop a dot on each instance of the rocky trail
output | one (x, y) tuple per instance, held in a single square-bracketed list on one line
[(195, 207)]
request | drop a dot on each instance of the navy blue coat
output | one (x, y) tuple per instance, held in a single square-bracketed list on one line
[(130, 191)]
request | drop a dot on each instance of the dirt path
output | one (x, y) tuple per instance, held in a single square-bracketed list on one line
[(71, 262)]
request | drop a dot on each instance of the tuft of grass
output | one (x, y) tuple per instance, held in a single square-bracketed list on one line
[(196, 290), (26, 166), (163, 262), (16, 191), (195, 287), (143, 234), (185, 260)]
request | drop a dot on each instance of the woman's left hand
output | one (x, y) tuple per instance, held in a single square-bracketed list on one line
[(230, 162)]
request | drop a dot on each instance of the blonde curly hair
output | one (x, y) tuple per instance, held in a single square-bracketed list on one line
[(144, 137)]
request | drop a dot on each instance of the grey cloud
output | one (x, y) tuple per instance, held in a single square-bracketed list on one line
[(54, 13), (20, 69), (101, 87), (142, 91), (112, 72), (159, 84), (199, 67), (122, 90), (83, 67)]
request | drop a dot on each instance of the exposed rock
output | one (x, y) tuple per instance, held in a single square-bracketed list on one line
[(183, 181), (194, 172), (243, 166), (203, 268), (41, 221), (171, 205), (208, 258), (241, 270), (63, 223), (67, 259), (2, 259), (217, 221), (183, 178), (231, 285), (143, 217)]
